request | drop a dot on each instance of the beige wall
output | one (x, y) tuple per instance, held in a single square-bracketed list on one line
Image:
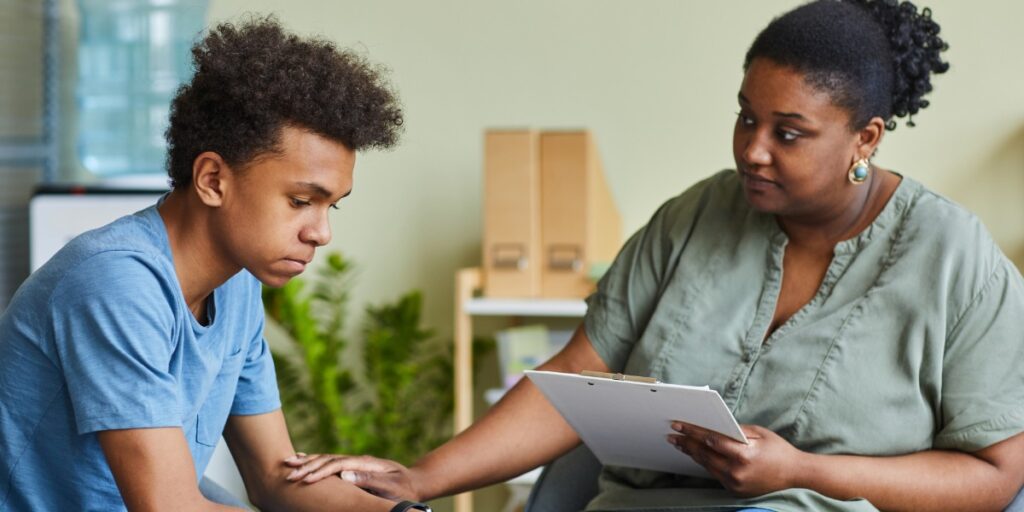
[(655, 80)]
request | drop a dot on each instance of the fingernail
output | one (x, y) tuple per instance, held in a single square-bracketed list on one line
[(678, 427), (348, 476), (672, 439), (292, 475), (291, 459), (300, 454)]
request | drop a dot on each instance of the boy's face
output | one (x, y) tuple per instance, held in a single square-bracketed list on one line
[(276, 213)]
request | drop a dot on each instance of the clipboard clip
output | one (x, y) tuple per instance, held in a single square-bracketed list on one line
[(619, 376)]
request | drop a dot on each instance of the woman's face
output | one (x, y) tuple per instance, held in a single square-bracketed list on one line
[(793, 147)]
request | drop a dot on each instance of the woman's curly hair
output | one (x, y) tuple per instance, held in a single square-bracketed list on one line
[(254, 79), (875, 57)]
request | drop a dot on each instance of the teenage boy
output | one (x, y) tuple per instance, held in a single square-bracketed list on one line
[(126, 357)]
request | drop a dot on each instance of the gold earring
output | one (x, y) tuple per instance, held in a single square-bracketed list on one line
[(859, 171)]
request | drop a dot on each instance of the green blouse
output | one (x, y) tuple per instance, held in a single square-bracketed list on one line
[(914, 341)]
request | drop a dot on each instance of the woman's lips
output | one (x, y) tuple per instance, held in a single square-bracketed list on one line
[(756, 183)]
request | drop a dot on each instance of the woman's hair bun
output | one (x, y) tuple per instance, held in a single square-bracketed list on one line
[(916, 51)]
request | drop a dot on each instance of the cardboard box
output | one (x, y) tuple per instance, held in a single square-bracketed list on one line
[(580, 225), (511, 204)]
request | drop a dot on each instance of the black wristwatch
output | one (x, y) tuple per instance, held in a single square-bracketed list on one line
[(410, 505)]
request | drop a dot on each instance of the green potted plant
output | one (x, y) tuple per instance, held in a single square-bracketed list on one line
[(388, 392)]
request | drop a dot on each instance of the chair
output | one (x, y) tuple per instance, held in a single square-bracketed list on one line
[(567, 484), (214, 492), (570, 482)]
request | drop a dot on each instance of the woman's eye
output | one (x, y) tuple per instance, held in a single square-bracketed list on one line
[(744, 119), (788, 136), (296, 202)]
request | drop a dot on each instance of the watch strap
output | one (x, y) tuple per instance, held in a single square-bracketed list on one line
[(407, 505)]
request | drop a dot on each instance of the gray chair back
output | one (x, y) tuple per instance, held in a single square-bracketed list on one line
[(567, 484)]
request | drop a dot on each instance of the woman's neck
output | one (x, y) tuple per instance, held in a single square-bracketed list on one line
[(825, 231)]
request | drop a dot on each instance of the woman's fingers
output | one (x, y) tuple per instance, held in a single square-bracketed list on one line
[(329, 468), (724, 445), (298, 459), (309, 465), (378, 476), (719, 466)]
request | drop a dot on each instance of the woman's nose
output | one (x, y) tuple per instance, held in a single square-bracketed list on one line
[(755, 151)]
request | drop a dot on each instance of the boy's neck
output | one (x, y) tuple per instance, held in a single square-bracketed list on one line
[(199, 263)]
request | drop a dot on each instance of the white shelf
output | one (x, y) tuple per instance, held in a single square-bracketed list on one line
[(526, 307)]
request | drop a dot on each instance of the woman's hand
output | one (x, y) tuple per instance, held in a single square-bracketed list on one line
[(769, 463), (382, 477)]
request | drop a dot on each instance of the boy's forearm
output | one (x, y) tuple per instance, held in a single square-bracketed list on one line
[(259, 444), (278, 494)]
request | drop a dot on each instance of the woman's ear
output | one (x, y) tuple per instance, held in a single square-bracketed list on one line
[(869, 137), (210, 177)]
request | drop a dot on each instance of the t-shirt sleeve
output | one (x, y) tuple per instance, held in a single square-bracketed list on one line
[(983, 379), (619, 310), (112, 320), (257, 391)]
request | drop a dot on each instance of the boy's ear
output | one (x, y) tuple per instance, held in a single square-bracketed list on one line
[(210, 177)]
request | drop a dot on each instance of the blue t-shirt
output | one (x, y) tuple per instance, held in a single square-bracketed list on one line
[(100, 338)]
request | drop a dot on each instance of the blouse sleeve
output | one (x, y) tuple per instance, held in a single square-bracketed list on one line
[(619, 310), (982, 376)]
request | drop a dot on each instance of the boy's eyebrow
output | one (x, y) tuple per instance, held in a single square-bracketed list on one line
[(315, 188), (319, 189)]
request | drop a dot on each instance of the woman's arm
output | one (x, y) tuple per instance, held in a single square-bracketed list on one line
[(930, 480), (521, 432)]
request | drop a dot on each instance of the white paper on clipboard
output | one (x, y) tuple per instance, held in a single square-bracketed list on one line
[(626, 423)]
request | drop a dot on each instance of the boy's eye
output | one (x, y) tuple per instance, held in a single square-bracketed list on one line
[(745, 120), (296, 202)]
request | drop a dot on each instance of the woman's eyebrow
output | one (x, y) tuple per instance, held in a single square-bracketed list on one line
[(788, 115)]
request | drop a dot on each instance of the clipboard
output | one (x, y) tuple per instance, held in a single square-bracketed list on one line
[(625, 420)]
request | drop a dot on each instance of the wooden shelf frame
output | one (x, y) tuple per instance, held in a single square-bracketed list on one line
[(467, 282)]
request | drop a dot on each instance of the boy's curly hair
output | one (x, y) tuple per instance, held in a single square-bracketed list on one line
[(254, 79)]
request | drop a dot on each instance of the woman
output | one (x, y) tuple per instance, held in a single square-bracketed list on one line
[(863, 329)]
